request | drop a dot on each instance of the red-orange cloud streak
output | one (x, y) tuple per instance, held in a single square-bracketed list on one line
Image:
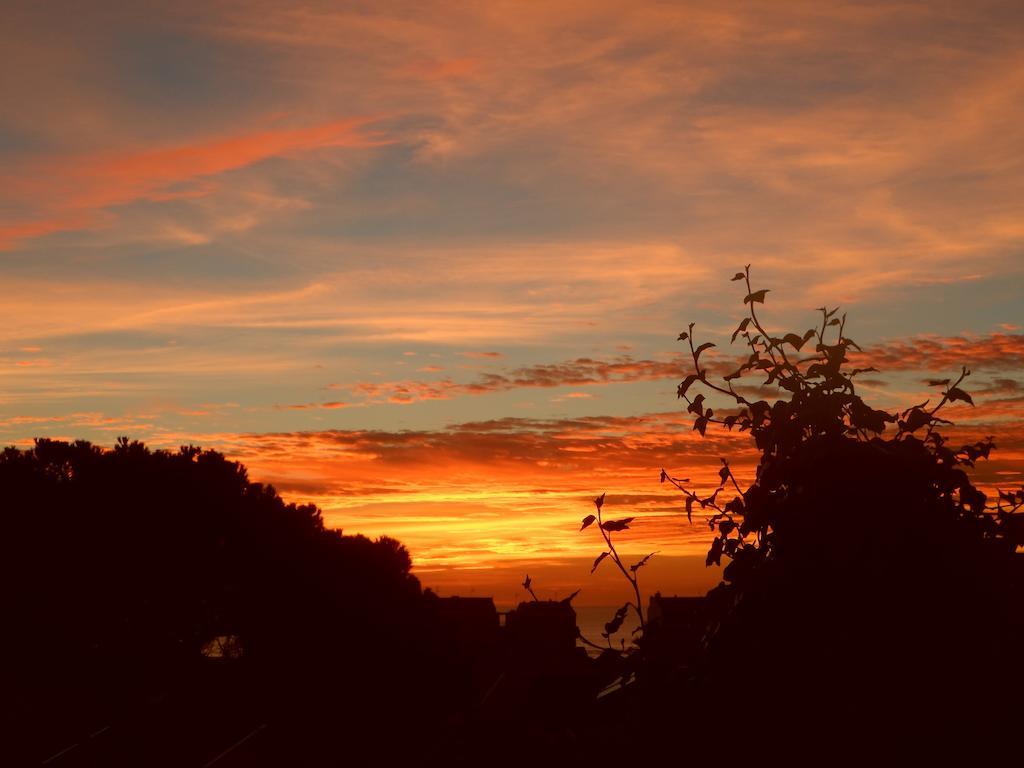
[(70, 192)]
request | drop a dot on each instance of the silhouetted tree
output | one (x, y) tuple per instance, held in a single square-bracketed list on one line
[(124, 566)]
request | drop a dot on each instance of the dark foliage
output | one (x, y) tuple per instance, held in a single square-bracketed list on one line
[(124, 567), (629, 573), (869, 588)]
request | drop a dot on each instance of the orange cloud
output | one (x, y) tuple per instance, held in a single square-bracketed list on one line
[(999, 386), (579, 372), (333, 405), (994, 352), (37, 363), (69, 192)]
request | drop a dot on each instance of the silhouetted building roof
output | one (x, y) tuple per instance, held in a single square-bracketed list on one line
[(472, 620), (542, 628), (479, 611), (547, 680)]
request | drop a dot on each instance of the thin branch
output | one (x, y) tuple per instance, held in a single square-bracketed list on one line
[(618, 561)]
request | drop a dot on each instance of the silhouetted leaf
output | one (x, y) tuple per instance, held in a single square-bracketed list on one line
[(864, 417), (689, 508), (737, 276), (938, 382), (758, 413), (701, 425), (697, 406), (686, 384), (915, 419), (613, 626), (723, 473), (599, 502), (743, 326), (958, 394), (710, 499), (701, 348), (911, 408), (756, 296), (568, 600), (735, 506), (617, 525), (793, 340), (600, 558), (587, 521), (715, 554), (683, 336), (642, 562)]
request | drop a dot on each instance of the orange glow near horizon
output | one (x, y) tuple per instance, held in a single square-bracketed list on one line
[(480, 505)]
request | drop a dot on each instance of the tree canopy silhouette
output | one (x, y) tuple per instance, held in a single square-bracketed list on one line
[(126, 566)]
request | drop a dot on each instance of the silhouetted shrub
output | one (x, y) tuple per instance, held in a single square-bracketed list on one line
[(869, 586)]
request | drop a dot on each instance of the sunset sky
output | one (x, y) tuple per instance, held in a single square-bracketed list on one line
[(424, 264)]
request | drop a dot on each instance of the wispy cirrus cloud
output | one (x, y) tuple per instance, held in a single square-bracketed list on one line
[(989, 352), (71, 192), (329, 406), (579, 372), (992, 352), (1000, 386)]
